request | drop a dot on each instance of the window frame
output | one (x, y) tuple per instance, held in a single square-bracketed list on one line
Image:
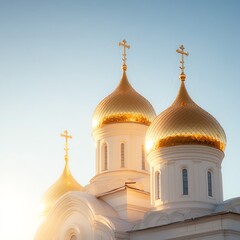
[(143, 158), (157, 185), (122, 156), (104, 157), (210, 183), (185, 188)]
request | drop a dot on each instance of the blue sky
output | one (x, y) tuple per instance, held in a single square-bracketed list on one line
[(59, 59)]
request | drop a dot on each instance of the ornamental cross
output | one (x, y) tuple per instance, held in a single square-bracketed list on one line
[(66, 136), (181, 51), (124, 45)]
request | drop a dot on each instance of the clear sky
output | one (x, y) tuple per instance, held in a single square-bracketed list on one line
[(59, 59)]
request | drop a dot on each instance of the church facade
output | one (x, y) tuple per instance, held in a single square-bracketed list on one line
[(157, 177)]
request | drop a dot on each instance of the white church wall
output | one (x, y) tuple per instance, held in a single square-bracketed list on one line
[(223, 226), (110, 181), (130, 204)]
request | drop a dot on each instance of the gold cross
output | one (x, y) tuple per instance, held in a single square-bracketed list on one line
[(181, 51), (124, 45), (66, 136)]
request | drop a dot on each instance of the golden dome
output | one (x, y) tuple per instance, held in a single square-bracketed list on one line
[(64, 184), (185, 123), (124, 104)]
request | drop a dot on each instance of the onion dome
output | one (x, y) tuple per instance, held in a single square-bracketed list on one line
[(123, 105), (66, 183), (185, 123)]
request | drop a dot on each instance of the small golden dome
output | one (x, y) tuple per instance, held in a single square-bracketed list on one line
[(64, 184), (124, 104), (184, 123)]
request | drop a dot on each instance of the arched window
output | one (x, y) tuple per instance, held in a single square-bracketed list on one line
[(209, 177), (143, 158), (185, 181), (73, 237), (157, 185), (122, 155), (105, 157)]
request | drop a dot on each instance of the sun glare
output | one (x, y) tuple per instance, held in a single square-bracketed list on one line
[(18, 213), (149, 145)]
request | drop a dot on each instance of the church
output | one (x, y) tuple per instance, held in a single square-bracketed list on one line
[(157, 176)]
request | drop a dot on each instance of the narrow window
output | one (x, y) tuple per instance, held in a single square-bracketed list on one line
[(185, 181), (143, 158), (209, 175), (157, 185), (122, 155), (105, 164)]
